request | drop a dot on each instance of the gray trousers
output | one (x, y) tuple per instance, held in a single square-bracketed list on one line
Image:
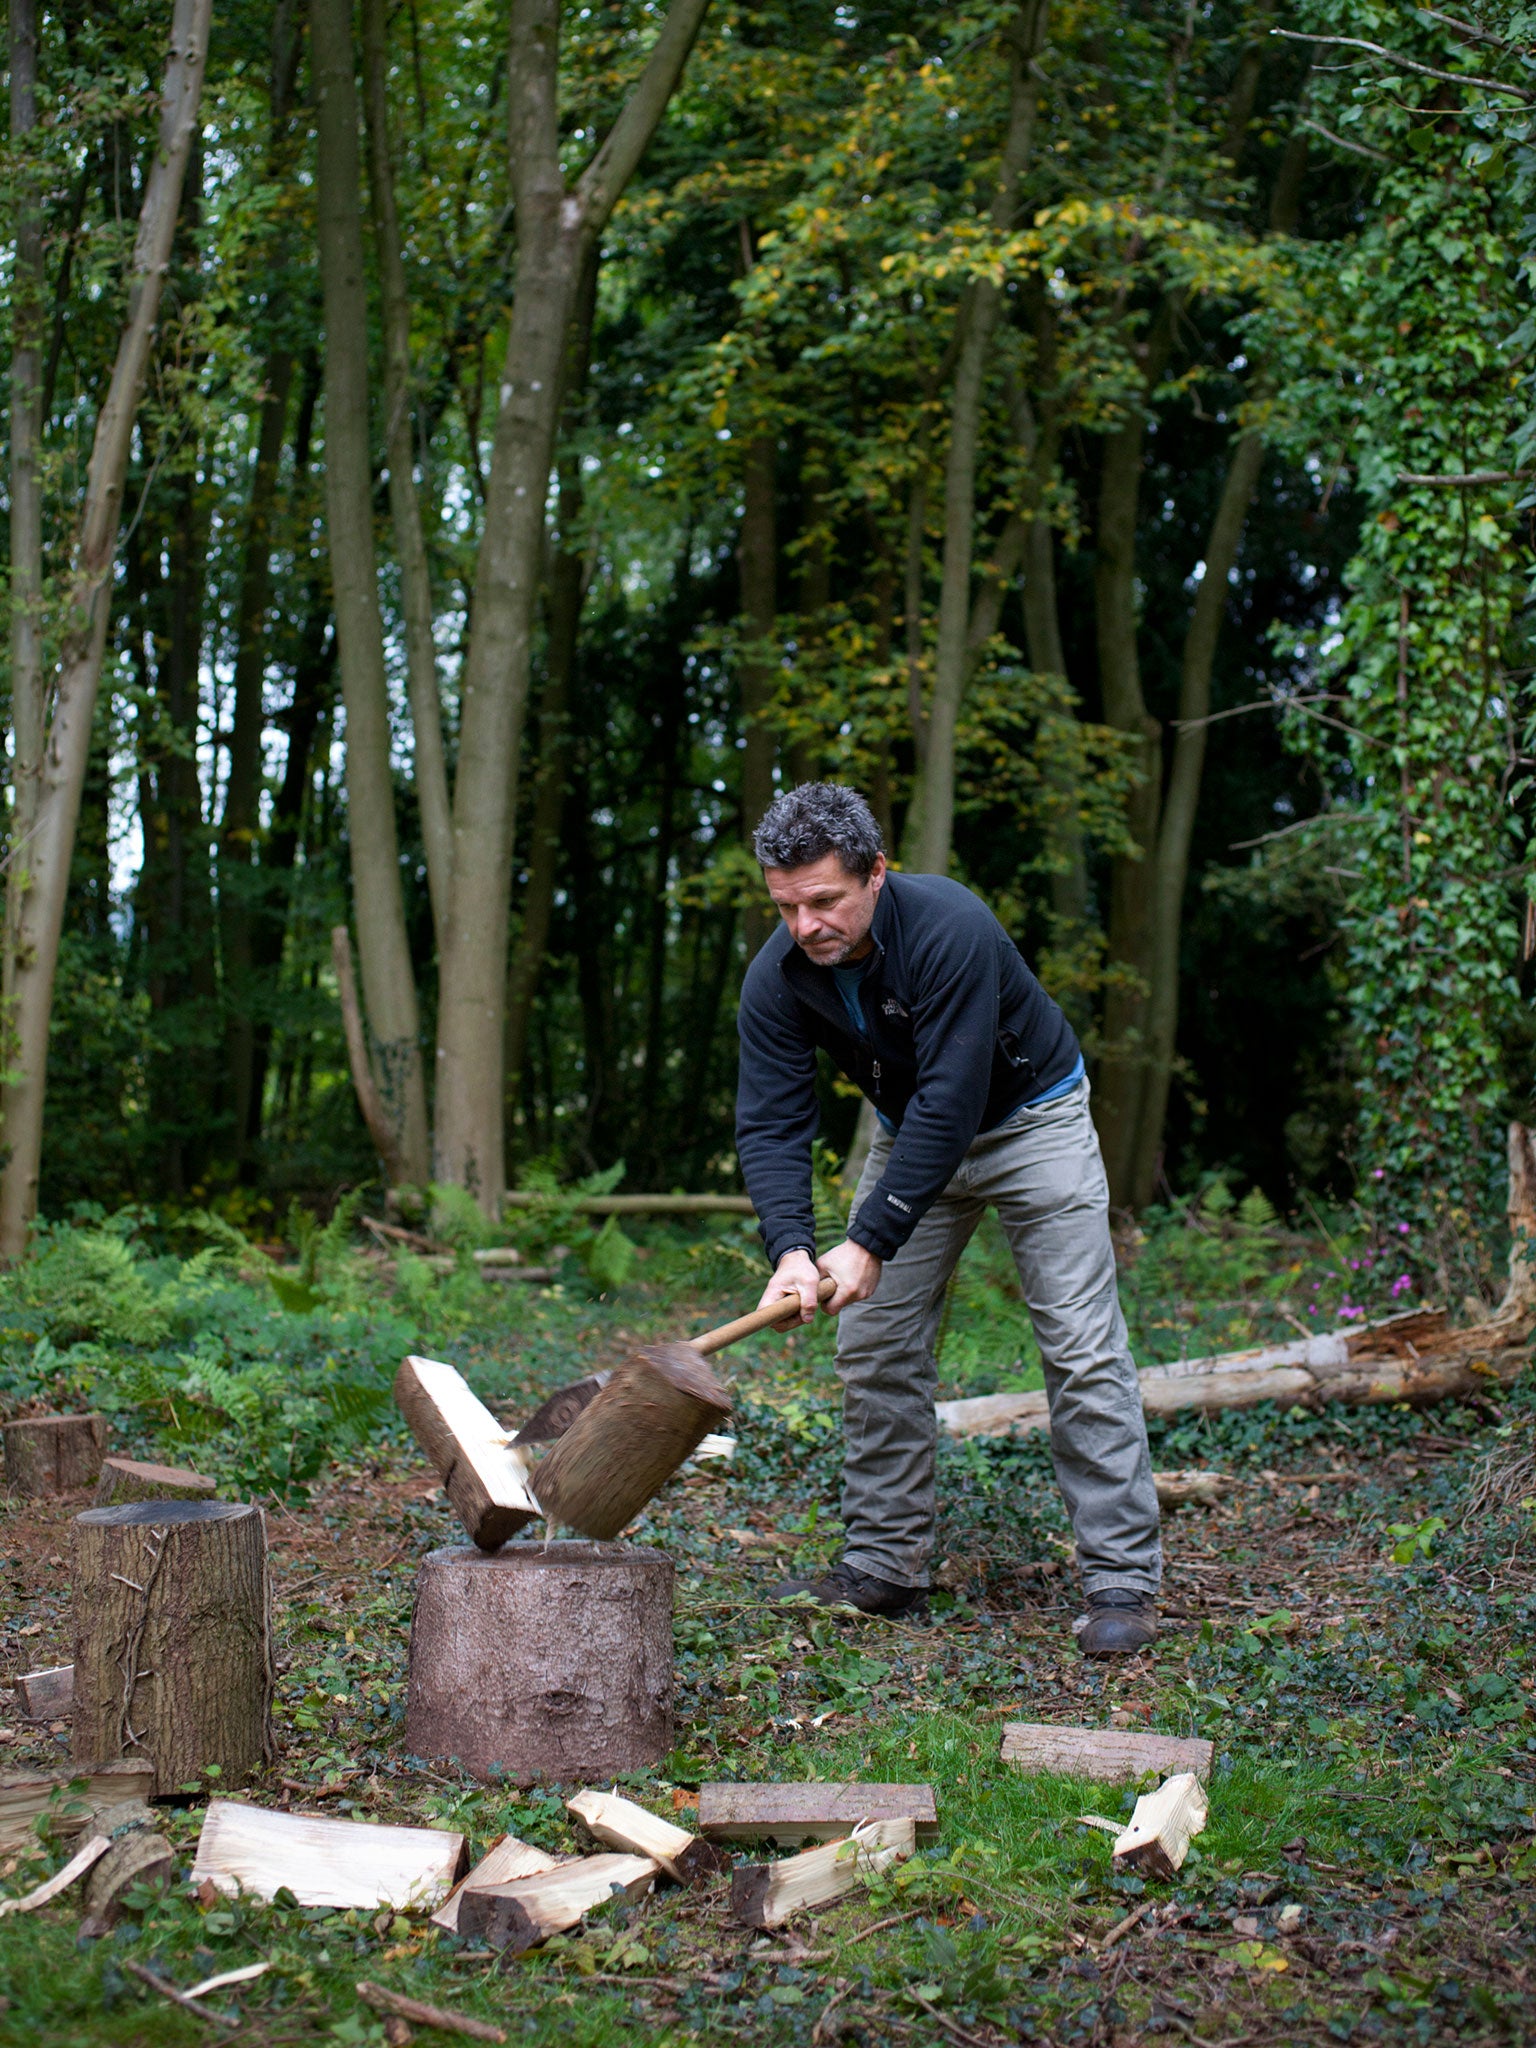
[(1043, 1172)]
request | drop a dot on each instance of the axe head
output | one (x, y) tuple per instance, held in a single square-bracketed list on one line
[(555, 1416)]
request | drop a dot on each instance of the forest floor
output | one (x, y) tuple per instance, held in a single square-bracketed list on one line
[(1356, 1643)]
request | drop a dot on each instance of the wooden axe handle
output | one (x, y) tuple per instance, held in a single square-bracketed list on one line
[(771, 1316)]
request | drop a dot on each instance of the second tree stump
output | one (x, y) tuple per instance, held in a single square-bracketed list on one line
[(172, 1638), (542, 1661), (47, 1454)]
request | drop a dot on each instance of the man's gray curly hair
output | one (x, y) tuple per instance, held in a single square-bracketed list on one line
[(818, 818)]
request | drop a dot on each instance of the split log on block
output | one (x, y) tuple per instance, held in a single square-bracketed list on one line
[(1113, 1754), (172, 1638), (629, 1440), (141, 1857), (554, 1417), (811, 1812), (768, 1894), (542, 1661), (1162, 1827), (326, 1862), (485, 1477), (1416, 1357), (624, 1825), (129, 1479), (48, 1454), (26, 1794), (1192, 1488), (502, 1863), (47, 1695), (520, 1915)]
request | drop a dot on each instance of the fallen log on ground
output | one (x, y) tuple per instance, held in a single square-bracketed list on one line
[(1417, 1357), (1113, 1754), (638, 1205), (810, 1810)]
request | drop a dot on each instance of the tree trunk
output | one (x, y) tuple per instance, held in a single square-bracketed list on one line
[(389, 986), (431, 768), (49, 1454), (1121, 1077), (28, 293), (758, 556), (931, 819), (172, 1639), (35, 930), (543, 1661), (557, 228), (1170, 866)]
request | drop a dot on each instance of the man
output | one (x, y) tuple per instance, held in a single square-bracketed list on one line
[(918, 994)]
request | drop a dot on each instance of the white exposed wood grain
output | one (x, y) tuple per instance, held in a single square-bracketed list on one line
[(325, 1862)]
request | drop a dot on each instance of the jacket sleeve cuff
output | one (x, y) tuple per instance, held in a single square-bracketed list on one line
[(884, 1241), (789, 1241)]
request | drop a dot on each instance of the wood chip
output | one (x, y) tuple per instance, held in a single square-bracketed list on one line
[(61, 1880)]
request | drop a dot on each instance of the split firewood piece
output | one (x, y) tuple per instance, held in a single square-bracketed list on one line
[(1163, 1826), (624, 1825), (139, 1857), (486, 1478), (1191, 1488), (48, 1454), (503, 1863), (76, 1867), (810, 1812), (418, 2014), (325, 1862), (626, 1444), (45, 1695), (520, 1915), (26, 1794), (1113, 1754), (768, 1894), (131, 1479)]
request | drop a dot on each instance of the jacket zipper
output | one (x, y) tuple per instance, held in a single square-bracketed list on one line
[(875, 1075)]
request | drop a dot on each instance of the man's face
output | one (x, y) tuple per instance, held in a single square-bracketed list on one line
[(828, 911)]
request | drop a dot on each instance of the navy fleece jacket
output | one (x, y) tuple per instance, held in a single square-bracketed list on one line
[(960, 1034)]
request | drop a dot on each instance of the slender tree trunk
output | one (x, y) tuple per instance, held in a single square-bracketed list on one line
[(431, 767), (1122, 1071), (65, 752), (28, 294), (930, 822), (1170, 866), (389, 987), (557, 227), (758, 556)]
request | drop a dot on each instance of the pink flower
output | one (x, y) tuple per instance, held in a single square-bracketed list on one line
[(1401, 1284)]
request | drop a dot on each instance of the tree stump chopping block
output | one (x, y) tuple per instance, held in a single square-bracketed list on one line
[(172, 1638), (628, 1441), (542, 1661), (47, 1454)]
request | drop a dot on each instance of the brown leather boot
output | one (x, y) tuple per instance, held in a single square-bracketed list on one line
[(847, 1589), (1119, 1622)]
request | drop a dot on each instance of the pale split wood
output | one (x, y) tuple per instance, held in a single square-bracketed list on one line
[(422, 2015), (520, 1915), (131, 1479), (78, 1864), (26, 1794), (622, 1824), (1111, 1754), (810, 1810), (1162, 1827), (226, 1978), (325, 1862), (46, 1695), (768, 1894), (485, 1477), (169, 1991), (502, 1863)]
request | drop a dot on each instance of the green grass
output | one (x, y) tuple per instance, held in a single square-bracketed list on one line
[(1376, 1749)]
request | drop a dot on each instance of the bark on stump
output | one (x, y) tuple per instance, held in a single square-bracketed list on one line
[(129, 1479), (627, 1442), (172, 1634), (47, 1454), (542, 1661)]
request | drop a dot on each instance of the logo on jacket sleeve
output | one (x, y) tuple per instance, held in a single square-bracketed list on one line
[(897, 1203)]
